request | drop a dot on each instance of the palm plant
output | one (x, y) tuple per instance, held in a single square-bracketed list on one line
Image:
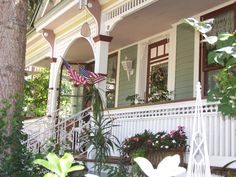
[(99, 136)]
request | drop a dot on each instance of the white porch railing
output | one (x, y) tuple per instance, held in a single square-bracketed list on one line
[(59, 130), (123, 9), (221, 132)]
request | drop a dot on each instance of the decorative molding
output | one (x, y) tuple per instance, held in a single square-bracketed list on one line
[(103, 38), (125, 8)]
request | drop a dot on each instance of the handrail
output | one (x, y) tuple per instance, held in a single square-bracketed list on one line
[(56, 128), (41, 118), (61, 123)]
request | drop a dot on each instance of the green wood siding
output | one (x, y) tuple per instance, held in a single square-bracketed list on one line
[(126, 87), (184, 62)]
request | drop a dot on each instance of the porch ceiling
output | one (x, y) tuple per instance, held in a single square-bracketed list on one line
[(156, 18), (79, 51)]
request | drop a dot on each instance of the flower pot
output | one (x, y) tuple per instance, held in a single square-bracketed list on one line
[(156, 156)]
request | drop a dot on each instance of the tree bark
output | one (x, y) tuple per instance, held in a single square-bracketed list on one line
[(13, 28), (13, 20)]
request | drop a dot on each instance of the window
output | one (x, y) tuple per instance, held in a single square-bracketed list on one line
[(224, 21), (157, 71), (111, 80), (70, 96)]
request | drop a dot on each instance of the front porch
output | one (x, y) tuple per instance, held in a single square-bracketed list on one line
[(220, 130), (148, 33)]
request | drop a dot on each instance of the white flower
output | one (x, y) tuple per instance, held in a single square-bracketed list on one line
[(173, 141), (166, 147), (169, 166)]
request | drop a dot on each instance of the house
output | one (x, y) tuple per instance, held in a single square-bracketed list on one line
[(106, 35)]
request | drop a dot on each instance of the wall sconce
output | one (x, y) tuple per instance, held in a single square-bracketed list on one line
[(127, 66)]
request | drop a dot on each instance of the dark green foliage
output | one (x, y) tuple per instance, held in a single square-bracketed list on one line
[(224, 56), (225, 89), (36, 93), (15, 160), (141, 143)]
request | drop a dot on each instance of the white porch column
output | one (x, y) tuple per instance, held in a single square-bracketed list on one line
[(52, 88), (101, 61), (141, 71), (49, 36)]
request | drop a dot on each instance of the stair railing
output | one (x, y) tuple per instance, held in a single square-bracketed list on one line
[(60, 130)]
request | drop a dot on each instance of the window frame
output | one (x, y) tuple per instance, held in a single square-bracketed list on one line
[(110, 57), (158, 60), (204, 67)]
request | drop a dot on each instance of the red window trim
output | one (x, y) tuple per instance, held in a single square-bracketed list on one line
[(204, 68)]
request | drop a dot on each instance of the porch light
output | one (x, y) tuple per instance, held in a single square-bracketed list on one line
[(127, 66)]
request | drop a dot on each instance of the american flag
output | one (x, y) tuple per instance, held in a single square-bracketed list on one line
[(77, 79), (92, 77)]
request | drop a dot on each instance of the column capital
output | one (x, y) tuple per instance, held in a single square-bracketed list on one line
[(102, 38), (53, 60)]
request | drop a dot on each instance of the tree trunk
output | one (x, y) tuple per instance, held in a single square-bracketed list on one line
[(13, 26), (13, 20)]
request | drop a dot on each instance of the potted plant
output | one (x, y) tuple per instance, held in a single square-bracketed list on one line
[(156, 146)]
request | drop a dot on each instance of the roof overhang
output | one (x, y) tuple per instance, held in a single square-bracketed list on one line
[(61, 13)]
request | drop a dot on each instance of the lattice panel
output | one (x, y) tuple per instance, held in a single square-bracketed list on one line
[(160, 112)]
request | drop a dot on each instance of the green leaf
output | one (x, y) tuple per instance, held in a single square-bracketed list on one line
[(230, 62), (225, 108), (211, 57), (220, 57), (54, 162), (210, 39), (227, 49), (76, 168), (233, 81), (44, 163), (224, 36), (66, 162), (50, 175)]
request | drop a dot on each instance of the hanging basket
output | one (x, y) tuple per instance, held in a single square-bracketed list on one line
[(156, 156)]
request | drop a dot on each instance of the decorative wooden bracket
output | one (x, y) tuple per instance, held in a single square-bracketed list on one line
[(94, 8), (50, 37)]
